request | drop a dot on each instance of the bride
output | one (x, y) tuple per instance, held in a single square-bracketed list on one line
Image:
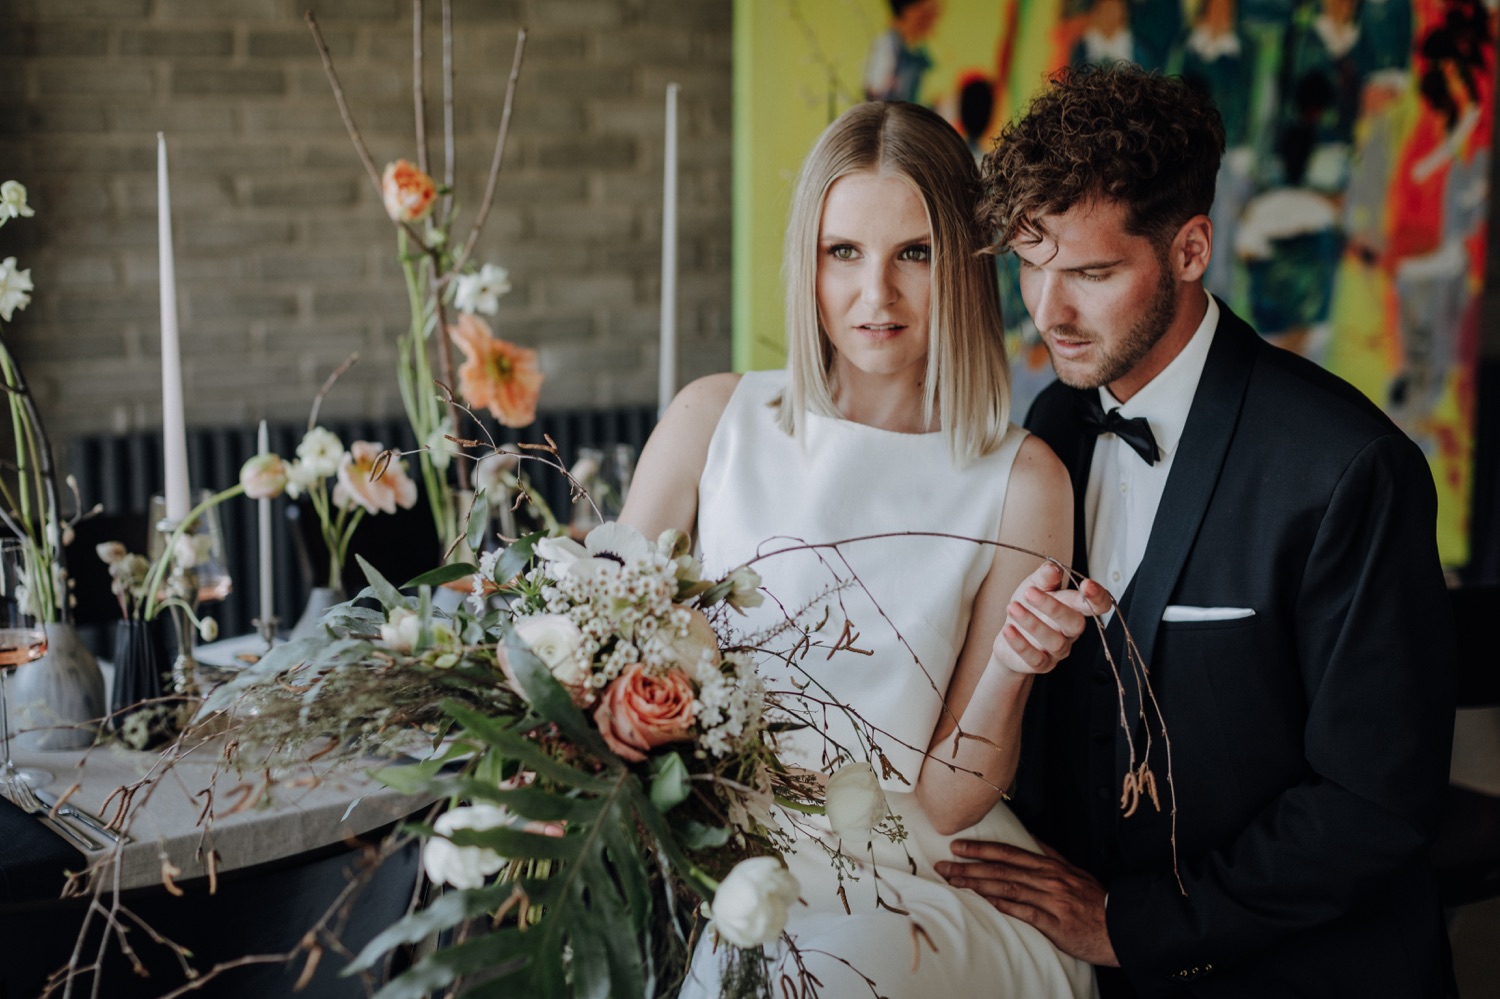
[(891, 418)]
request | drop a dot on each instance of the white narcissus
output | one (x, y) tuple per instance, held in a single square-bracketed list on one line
[(15, 288), (463, 866), (854, 803), (13, 202), (481, 292), (753, 901), (319, 453)]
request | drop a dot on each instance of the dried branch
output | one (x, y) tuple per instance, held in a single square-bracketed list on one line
[(489, 190), (418, 94)]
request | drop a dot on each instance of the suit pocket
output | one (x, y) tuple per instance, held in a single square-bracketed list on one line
[(1234, 706)]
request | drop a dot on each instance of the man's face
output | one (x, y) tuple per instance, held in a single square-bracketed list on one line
[(1102, 299)]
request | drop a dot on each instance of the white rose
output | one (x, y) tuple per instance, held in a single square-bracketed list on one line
[(751, 905), (855, 803), (463, 866), (554, 639)]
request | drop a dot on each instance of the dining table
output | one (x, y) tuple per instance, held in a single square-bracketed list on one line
[(231, 865)]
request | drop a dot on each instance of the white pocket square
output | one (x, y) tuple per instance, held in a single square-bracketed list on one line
[(1178, 612)]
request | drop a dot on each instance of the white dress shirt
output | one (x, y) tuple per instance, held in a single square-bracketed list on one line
[(1123, 493)]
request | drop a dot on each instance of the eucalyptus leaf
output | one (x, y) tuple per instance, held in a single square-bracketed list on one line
[(516, 557), (442, 574), (479, 518), (380, 587), (669, 781), (697, 836)]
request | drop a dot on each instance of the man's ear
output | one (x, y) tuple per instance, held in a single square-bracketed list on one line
[(1192, 248)]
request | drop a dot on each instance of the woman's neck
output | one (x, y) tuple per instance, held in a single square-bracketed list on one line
[(887, 402)]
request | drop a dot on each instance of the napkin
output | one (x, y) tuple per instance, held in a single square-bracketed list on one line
[(34, 860)]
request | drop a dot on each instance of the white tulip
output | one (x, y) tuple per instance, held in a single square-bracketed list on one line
[(750, 908), (463, 866), (855, 804)]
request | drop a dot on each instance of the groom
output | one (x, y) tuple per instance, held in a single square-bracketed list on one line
[(1269, 535)]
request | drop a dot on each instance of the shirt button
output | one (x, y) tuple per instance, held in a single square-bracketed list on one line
[(1114, 577), (1124, 486)]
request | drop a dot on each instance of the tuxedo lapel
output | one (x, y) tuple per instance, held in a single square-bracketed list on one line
[(1195, 473)]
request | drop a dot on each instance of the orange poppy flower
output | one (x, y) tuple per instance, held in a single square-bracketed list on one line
[(496, 375)]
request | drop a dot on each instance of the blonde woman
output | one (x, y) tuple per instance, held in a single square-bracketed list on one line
[(892, 417)]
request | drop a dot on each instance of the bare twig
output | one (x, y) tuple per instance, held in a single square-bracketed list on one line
[(489, 189), (338, 372), (418, 94)]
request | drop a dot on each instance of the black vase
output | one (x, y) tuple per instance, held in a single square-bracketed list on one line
[(139, 714)]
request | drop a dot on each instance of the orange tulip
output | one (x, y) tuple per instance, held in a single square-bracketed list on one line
[(496, 375)]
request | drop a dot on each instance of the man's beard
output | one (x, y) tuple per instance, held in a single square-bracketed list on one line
[(1137, 343)]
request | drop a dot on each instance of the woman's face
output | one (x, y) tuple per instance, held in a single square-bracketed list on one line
[(875, 274)]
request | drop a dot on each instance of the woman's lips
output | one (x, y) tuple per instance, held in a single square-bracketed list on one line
[(879, 331)]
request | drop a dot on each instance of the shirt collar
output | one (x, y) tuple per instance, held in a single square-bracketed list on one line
[(1165, 400)]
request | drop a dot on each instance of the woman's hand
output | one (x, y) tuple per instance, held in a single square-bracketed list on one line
[(1043, 620)]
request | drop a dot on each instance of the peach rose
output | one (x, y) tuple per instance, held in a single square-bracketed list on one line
[(407, 191), (640, 711)]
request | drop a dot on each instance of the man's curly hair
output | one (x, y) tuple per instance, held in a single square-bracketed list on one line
[(1116, 133)]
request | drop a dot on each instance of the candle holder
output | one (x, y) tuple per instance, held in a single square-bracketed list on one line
[(266, 629), (183, 586)]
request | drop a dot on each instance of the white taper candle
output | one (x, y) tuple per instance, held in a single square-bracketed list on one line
[(263, 513), (666, 385), (173, 427)]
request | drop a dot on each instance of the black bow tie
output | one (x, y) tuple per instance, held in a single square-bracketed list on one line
[(1134, 431)]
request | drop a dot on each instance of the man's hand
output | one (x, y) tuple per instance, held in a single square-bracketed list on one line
[(1043, 620), (1061, 900)]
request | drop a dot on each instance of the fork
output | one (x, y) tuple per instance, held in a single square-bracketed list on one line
[(25, 799), (89, 819)]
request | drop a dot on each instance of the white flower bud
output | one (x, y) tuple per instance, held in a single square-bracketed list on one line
[(751, 906), (855, 804)]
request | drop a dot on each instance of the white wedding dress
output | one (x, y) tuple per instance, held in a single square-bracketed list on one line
[(761, 491)]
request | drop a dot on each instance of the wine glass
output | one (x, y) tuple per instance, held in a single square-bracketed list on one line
[(205, 537), (22, 640)]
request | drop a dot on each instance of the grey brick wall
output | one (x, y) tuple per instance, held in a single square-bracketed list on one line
[(285, 261)]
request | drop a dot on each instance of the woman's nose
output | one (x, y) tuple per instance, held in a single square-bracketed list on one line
[(876, 287)]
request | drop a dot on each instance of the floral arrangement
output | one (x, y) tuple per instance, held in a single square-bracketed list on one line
[(603, 743), (441, 277), (29, 503)]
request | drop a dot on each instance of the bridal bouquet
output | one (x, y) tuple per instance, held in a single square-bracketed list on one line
[(605, 751)]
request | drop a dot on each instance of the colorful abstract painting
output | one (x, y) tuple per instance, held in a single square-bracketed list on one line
[(1352, 204)]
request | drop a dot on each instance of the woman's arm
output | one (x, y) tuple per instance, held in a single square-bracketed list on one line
[(1023, 624), (664, 489)]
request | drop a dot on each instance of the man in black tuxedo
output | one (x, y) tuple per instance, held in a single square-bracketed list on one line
[(1269, 536)]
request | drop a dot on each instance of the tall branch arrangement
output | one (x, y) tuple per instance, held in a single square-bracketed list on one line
[(440, 280)]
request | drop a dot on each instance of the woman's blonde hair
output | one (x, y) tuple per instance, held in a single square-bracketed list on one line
[(968, 381)]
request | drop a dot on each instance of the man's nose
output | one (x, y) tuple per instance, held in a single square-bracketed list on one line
[(1049, 301)]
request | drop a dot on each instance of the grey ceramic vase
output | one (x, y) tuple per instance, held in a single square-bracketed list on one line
[(318, 601), (58, 699)]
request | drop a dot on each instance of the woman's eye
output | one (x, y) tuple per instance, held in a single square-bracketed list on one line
[(841, 251), (921, 253)]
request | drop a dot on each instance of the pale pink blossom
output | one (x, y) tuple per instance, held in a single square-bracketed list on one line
[(371, 481)]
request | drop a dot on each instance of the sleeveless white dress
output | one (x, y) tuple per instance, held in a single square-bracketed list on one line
[(762, 490)]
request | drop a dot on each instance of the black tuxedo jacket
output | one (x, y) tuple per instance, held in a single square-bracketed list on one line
[(1308, 742)]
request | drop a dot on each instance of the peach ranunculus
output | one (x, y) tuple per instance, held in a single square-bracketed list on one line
[(408, 192), (378, 493), (641, 710), (264, 476), (496, 375)]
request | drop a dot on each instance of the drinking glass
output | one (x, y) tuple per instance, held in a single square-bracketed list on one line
[(22, 640), (206, 536)]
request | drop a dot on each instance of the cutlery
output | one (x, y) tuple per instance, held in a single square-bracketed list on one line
[(70, 811), (25, 798)]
